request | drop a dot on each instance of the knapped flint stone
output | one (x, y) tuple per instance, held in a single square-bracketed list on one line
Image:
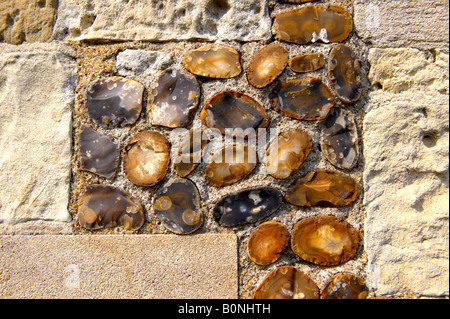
[(267, 242), (177, 206), (339, 139), (212, 61), (247, 206), (231, 164), (305, 98), (324, 240), (324, 188), (344, 72), (103, 206), (114, 101), (285, 154), (307, 62), (99, 154), (345, 286), (189, 153), (174, 100), (146, 158), (309, 24), (286, 282), (232, 109), (266, 65)]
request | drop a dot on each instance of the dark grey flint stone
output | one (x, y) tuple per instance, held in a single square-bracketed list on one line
[(247, 206), (177, 206), (99, 154), (339, 139)]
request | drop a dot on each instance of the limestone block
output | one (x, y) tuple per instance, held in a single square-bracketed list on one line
[(36, 95), (119, 266), (27, 20), (163, 20), (142, 62), (403, 23), (406, 150)]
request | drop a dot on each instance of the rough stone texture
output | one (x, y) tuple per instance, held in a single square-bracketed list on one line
[(142, 62), (406, 146), (36, 95), (118, 266), (27, 20), (163, 20), (399, 23)]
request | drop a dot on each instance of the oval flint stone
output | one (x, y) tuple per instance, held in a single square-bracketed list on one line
[(247, 206), (234, 110), (344, 72), (309, 24), (339, 139), (304, 98), (323, 188), (324, 240), (267, 242), (286, 282), (114, 101), (98, 153), (211, 61), (307, 62), (174, 99), (287, 153), (103, 206), (177, 206), (189, 152), (266, 65), (146, 158), (230, 165), (345, 286)]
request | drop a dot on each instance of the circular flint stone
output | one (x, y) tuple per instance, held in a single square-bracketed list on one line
[(305, 98), (114, 101), (177, 206), (103, 206), (267, 242), (345, 286), (247, 206), (234, 110), (146, 158), (174, 99), (286, 282), (324, 240)]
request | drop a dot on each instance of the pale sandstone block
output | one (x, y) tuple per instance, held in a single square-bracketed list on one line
[(36, 96), (403, 23), (406, 149), (119, 266), (27, 20), (163, 20)]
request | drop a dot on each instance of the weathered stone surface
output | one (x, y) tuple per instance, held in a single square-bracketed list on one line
[(142, 62), (423, 23), (406, 172), (119, 266), (164, 20), (36, 93), (27, 20)]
